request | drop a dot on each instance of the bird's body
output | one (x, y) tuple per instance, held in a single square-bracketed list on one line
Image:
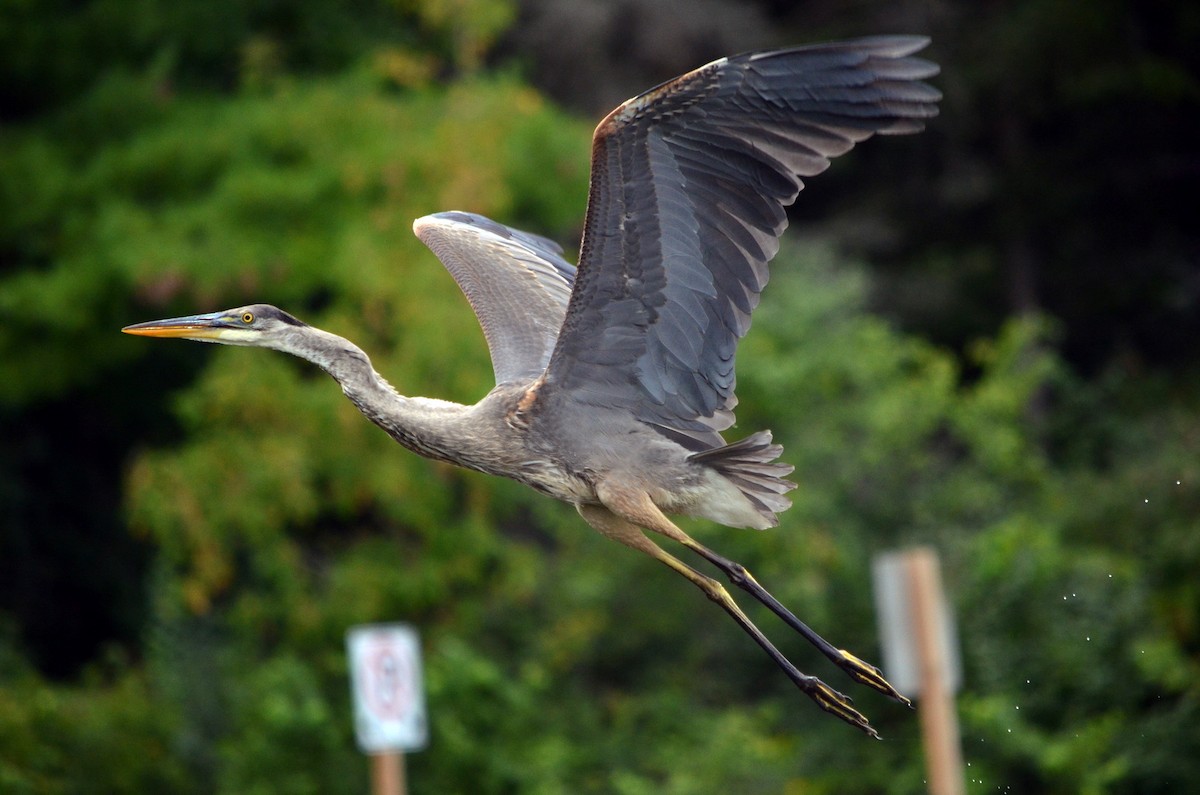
[(615, 381), (510, 434)]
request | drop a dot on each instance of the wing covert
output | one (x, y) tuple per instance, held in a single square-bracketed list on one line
[(518, 284), (688, 188)]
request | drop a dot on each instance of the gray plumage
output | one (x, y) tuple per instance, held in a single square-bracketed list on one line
[(520, 300), (614, 382)]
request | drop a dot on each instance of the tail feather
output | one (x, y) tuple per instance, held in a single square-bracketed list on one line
[(750, 465)]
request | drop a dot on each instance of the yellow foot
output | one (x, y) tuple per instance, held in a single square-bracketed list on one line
[(869, 675)]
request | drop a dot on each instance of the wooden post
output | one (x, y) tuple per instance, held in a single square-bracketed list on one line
[(939, 723), (387, 774), (389, 700)]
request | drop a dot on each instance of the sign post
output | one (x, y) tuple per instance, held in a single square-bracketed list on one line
[(920, 652), (389, 701)]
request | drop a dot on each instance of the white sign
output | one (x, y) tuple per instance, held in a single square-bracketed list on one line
[(385, 679), (895, 610)]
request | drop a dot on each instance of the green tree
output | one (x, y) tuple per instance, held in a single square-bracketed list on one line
[(193, 156)]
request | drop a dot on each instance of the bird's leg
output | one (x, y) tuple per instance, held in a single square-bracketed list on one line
[(647, 515), (739, 575), (628, 533)]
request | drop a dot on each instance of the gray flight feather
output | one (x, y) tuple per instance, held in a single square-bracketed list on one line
[(686, 205), (517, 283)]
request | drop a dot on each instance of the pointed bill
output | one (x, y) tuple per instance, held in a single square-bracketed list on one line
[(197, 327)]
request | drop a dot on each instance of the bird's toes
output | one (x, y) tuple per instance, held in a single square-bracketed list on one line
[(869, 675), (838, 704)]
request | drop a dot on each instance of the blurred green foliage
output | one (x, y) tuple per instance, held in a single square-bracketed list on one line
[(263, 159)]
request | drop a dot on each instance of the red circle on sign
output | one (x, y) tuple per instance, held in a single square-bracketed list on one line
[(386, 673)]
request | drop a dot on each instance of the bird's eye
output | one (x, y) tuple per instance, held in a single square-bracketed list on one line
[(247, 317)]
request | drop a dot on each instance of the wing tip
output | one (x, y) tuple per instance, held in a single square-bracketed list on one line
[(448, 219), (423, 225)]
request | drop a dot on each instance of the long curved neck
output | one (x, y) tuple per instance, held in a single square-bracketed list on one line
[(433, 428)]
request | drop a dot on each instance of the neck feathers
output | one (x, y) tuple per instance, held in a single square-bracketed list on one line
[(436, 429)]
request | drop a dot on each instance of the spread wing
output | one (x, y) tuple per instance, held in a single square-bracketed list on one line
[(688, 186), (517, 283)]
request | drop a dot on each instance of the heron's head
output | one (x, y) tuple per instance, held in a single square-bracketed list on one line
[(257, 325)]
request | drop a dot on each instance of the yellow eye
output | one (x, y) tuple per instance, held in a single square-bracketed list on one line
[(247, 317)]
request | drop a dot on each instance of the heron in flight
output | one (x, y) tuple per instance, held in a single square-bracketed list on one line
[(614, 380)]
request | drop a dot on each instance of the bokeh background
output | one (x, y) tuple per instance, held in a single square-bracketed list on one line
[(983, 338)]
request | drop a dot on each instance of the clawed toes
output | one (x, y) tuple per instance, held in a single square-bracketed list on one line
[(840, 705), (871, 676)]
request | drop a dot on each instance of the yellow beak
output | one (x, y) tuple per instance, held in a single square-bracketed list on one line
[(196, 327)]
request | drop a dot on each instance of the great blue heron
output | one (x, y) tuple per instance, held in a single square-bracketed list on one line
[(614, 382)]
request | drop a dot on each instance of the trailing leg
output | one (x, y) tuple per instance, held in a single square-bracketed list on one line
[(639, 509), (828, 699), (858, 670)]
